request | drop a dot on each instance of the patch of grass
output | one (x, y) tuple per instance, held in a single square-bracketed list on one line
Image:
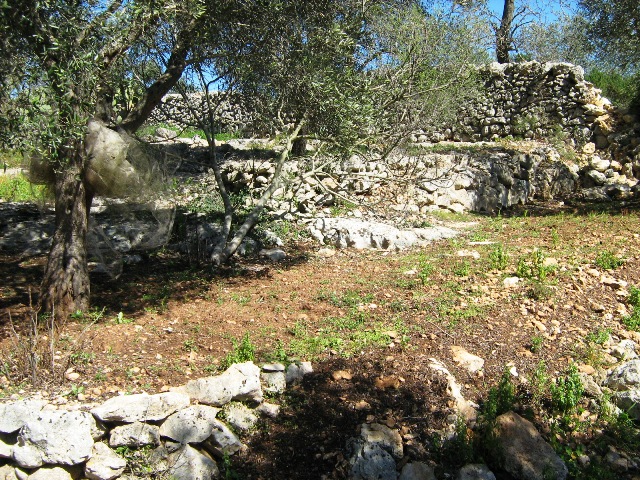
[(10, 159), (632, 322), (242, 351), (82, 358), (462, 269), (16, 188), (600, 336), (533, 266), (190, 345), (608, 261), (539, 291), (341, 207)]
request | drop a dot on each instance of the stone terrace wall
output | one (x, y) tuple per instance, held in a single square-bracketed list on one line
[(527, 100), (231, 114)]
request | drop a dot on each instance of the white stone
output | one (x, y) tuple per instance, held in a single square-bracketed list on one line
[(190, 425), (141, 407), (55, 437), (7, 472), (14, 415), (241, 417), (239, 382), (625, 376), (274, 382), (470, 362), (51, 473), (190, 464), (390, 440), (296, 372), (104, 464), (135, 434)]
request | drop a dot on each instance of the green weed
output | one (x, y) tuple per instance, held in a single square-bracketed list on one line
[(502, 398), (608, 261), (600, 336), (462, 269), (632, 322), (536, 344), (567, 391), (121, 319), (242, 351)]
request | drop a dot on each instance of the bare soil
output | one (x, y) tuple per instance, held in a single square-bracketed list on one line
[(377, 315)]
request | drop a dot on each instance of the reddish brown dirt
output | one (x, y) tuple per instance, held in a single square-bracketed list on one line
[(178, 322)]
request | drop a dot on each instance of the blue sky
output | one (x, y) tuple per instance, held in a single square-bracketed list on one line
[(550, 8)]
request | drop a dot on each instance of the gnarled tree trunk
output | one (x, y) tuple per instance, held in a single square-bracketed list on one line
[(65, 287)]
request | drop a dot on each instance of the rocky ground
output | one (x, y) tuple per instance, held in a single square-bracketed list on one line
[(540, 288)]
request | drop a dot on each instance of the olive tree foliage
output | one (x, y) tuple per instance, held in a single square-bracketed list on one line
[(613, 27), (353, 77), (561, 40), (61, 87)]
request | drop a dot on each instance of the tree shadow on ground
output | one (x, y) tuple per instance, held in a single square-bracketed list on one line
[(572, 207)]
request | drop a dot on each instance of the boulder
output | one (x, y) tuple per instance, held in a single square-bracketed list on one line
[(389, 440), (55, 437), (523, 452), (7, 472), (141, 407), (239, 382), (629, 402), (104, 464), (190, 425)]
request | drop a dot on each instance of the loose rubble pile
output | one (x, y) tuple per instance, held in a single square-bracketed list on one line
[(181, 430)]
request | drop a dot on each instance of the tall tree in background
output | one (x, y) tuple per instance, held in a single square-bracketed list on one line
[(504, 32), (68, 62)]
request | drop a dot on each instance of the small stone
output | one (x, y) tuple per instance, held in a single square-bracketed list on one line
[(341, 375)]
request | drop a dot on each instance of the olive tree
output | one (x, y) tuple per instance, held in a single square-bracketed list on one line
[(69, 60), (354, 77)]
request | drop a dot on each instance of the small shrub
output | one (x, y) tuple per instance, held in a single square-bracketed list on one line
[(502, 398), (536, 344), (462, 269), (608, 261), (567, 391), (599, 337), (498, 257)]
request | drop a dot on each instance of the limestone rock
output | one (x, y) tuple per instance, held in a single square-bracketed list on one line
[(189, 464), (222, 441), (475, 472), (104, 464), (466, 360), (296, 372), (239, 382), (629, 402), (524, 453), (55, 437), (141, 407), (51, 473), (268, 409), (135, 434), (7, 472), (240, 416), (382, 435), (190, 425), (14, 415), (274, 382), (417, 471), (464, 407), (371, 462), (625, 376), (6, 446)]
